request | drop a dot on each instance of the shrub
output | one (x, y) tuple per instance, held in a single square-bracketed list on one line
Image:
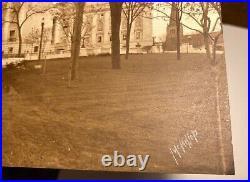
[(104, 54)]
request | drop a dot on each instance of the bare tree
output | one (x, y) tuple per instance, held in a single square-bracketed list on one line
[(116, 9), (76, 40), (33, 37), (17, 9), (132, 10), (178, 6), (200, 14), (217, 7), (65, 13), (205, 23)]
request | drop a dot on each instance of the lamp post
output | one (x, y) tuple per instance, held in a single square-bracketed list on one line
[(41, 39)]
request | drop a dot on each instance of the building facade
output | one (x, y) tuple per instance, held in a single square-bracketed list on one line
[(96, 37)]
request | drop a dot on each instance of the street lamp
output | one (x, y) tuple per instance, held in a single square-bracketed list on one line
[(41, 39)]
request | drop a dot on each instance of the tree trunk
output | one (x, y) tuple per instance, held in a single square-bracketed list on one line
[(206, 31), (116, 9), (178, 36), (128, 39), (76, 40), (20, 42), (214, 48), (207, 46)]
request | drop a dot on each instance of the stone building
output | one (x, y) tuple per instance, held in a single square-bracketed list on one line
[(96, 38), (10, 32)]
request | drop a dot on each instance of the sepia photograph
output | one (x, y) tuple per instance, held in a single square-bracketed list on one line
[(115, 86)]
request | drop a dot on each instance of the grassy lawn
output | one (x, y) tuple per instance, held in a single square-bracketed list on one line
[(144, 108)]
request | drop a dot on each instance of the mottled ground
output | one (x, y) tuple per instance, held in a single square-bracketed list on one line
[(144, 108)]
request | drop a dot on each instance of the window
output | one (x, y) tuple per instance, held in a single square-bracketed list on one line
[(138, 35), (138, 23), (100, 22), (124, 36), (36, 49), (10, 50), (99, 38), (12, 36), (88, 29), (12, 33), (100, 26), (89, 23), (83, 45), (86, 42)]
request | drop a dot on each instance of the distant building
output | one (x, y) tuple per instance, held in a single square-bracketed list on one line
[(197, 40)]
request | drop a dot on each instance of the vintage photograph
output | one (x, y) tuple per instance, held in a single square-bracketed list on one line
[(115, 86)]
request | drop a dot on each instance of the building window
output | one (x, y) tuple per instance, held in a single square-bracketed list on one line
[(10, 50), (100, 22), (99, 39), (124, 36), (83, 45), (89, 26), (88, 29), (138, 23), (138, 35), (36, 49), (86, 42), (12, 36), (100, 26)]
